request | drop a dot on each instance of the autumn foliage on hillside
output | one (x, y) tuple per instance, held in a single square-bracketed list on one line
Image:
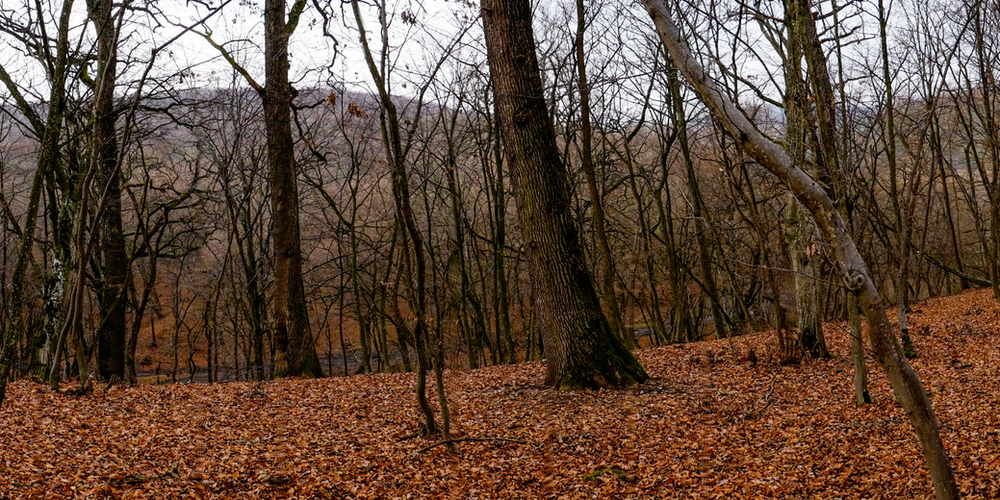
[(718, 419)]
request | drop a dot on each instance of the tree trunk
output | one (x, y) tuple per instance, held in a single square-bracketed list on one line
[(953, 230), (580, 348), (48, 159), (803, 250), (295, 349), (888, 353), (902, 222), (703, 236), (412, 238), (614, 313), (989, 91), (502, 301), (659, 329), (837, 164), (114, 263)]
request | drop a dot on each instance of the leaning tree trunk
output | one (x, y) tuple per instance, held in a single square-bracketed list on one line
[(581, 350), (295, 350), (888, 352)]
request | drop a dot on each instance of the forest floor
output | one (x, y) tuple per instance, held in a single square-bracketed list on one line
[(709, 424)]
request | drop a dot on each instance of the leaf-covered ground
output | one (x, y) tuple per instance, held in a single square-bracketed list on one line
[(710, 424)]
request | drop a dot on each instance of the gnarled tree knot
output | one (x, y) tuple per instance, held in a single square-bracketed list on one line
[(854, 280)]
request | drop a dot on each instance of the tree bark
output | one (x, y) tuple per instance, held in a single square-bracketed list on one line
[(412, 238), (902, 221), (888, 353), (802, 248), (111, 334), (580, 348), (502, 298), (48, 159), (295, 349)]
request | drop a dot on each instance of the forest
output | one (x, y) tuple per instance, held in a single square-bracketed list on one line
[(499, 249)]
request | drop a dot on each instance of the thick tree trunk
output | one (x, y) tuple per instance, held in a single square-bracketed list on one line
[(803, 252), (580, 348), (295, 349), (888, 353), (114, 262)]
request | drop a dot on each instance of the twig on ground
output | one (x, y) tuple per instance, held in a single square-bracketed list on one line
[(756, 412)]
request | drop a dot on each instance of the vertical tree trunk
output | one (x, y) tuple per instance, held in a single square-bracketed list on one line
[(902, 223), (295, 350), (412, 239), (490, 147), (580, 348), (703, 236), (680, 314), (114, 263), (680, 327), (614, 313), (468, 296), (989, 92), (649, 257), (364, 323), (48, 159), (803, 250), (699, 211), (846, 207), (785, 342), (828, 160), (888, 353)]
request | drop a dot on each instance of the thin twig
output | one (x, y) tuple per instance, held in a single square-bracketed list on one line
[(755, 412)]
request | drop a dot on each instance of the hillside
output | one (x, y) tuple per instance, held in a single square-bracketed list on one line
[(710, 424)]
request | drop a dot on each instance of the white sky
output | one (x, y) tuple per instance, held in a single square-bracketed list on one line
[(240, 27)]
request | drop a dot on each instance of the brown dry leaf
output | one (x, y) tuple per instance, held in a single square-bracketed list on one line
[(700, 428)]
